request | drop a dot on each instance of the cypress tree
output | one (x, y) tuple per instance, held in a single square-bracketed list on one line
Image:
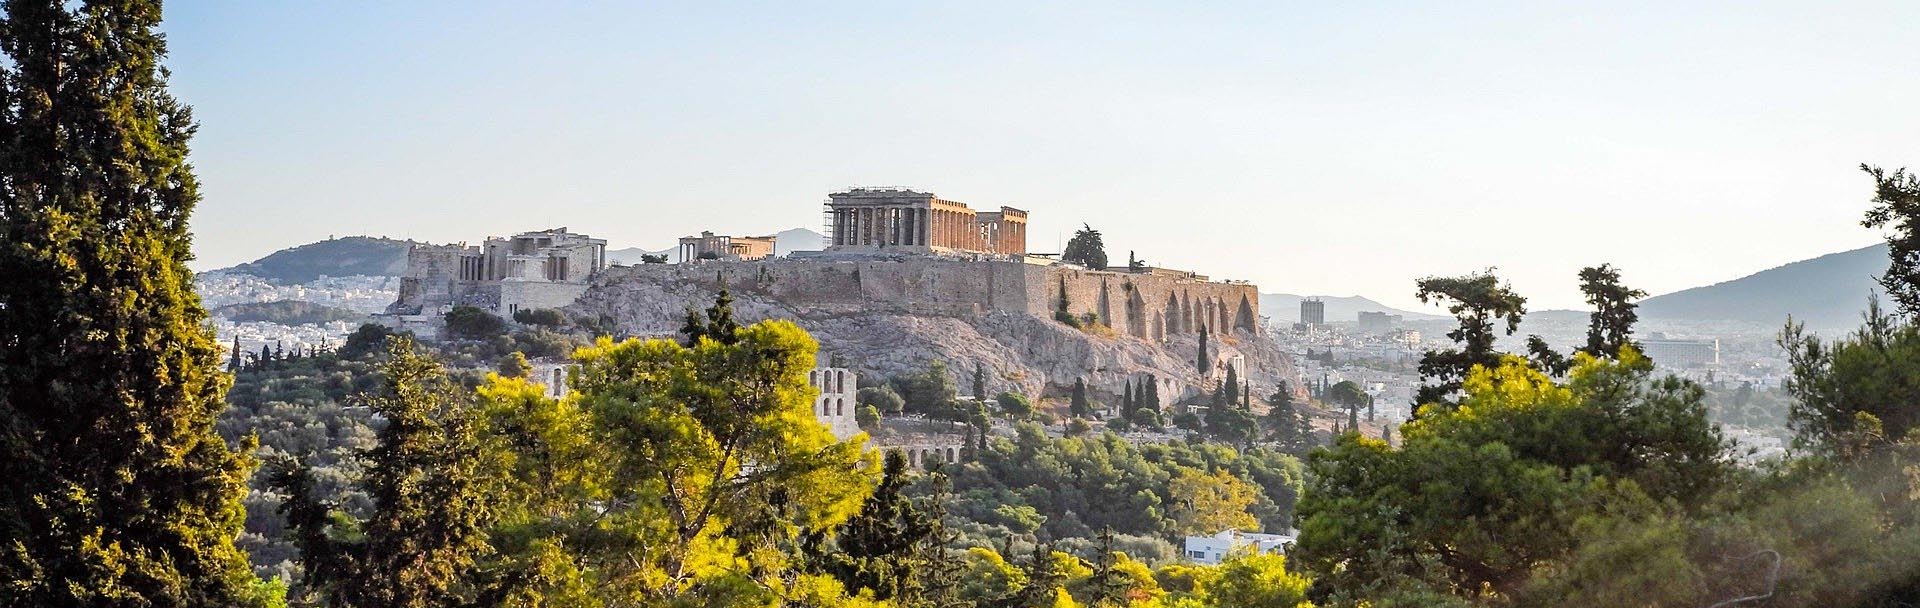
[(1126, 402), (1079, 405), (1204, 361), (115, 489), (979, 382), (234, 363)]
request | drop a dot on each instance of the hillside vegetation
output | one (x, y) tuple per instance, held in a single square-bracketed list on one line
[(285, 312), (333, 257)]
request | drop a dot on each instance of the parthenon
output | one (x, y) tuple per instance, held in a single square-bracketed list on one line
[(873, 219)]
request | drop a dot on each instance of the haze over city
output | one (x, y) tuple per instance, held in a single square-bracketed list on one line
[(1342, 150)]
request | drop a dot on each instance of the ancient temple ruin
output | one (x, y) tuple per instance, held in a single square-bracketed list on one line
[(895, 219)]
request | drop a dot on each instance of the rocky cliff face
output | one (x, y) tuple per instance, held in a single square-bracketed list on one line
[(1021, 352)]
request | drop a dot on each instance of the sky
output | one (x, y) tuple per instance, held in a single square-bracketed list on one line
[(1312, 148)]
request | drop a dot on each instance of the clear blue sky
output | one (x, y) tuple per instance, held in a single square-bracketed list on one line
[(1320, 148)]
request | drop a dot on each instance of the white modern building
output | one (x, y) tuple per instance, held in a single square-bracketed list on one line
[(1211, 549)]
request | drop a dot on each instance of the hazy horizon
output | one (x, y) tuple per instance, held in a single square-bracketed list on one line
[(1309, 149)]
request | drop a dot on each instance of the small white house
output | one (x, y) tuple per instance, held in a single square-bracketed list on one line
[(1211, 549)]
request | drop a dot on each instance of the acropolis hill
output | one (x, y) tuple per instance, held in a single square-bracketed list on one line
[(908, 278)]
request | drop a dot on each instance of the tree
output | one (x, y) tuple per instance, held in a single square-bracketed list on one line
[(1480, 496), (718, 325), (653, 258), (1253, 579), (979, 382), (433, 497), (546, 317), (868, 417), (515, 365), (369, 338), (1086, 249), (1544, 358), (715, 459), (882, 547), (1867, 372), (1015, 405), (1896, 204), (1204, 362), (1126, 402), (882, 398), (1079, 406), (1610, 327), (234, 362), (1206, 503), (115, 489), (930, 392), (469, 323), (1476, 301)]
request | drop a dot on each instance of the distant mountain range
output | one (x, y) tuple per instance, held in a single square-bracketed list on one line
[(339, 257), (1285, 308), (1827, 292)]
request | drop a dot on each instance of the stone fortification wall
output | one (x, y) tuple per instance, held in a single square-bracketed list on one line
[(1139, 305), (893, 316), (1145, 306)]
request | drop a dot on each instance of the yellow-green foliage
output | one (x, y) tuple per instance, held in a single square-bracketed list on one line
[(677, 475)]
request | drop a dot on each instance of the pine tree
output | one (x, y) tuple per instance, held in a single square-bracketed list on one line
[(718, 326), (115, 490)]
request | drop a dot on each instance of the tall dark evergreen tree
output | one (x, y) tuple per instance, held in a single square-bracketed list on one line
[(433, 499), (1078, 404), (115, 489), (1126, 403), (1086, 249), (1205, 360), (718, 324), (1611, 324), (880, 548), (1477, 301), (235, 362), (979, 382)]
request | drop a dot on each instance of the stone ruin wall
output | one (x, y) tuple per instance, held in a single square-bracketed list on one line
[(1150, 307), (1145, 306)]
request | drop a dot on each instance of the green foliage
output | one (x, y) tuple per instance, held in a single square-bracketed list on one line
[(868, 417), (931, 392), (1481, 494), (369, 338), (1870, 371), (1478, 301), (882, 548), (653, 258), (1034, 487), (515, 365), (545, 317), (675, 429), (881, 398), (1086, 249), (1015, 405), (114, 488), (1078, 404), (1896, 204), (433, 499), (1610, 327), (470, 323)]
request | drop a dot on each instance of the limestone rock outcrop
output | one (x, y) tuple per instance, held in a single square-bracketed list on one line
[(881, 335)]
